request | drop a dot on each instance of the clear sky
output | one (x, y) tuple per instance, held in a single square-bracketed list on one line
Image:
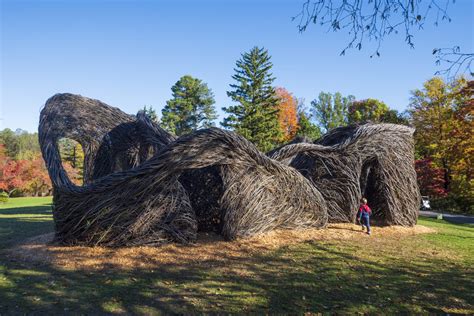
[(130, 53)]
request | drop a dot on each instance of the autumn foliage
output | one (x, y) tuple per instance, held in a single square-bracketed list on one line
[(9, 172), (287, 114), (22, 168), (27, 176), (430, 178), (442, 113)]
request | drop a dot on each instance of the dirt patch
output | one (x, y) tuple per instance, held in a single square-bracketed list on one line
[(209, 248)]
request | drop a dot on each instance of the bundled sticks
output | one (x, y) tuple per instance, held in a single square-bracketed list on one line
[(373, 161), (144, 187)]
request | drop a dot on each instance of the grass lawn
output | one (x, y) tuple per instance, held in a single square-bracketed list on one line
[(425, 273)]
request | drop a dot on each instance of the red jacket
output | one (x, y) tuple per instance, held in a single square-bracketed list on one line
[(365, 209)]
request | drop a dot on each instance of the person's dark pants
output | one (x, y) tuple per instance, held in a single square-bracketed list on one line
[(366, 221)]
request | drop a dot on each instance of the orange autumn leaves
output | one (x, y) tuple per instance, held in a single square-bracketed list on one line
[(287, 114)]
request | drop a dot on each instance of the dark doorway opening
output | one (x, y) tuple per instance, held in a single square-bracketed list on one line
[(371, 187), (205, 188)]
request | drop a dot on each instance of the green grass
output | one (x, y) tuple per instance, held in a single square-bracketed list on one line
[(428, 273)]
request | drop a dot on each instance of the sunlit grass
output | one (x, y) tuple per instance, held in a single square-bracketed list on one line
[(26, 202)]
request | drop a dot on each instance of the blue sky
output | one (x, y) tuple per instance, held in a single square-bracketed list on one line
[(130, 53)]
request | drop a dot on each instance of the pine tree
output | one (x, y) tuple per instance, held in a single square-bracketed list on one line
[(190, 108), (151, 113), (73, 155), (255, 116)]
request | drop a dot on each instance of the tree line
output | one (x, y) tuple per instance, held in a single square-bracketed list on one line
[(268, 116)]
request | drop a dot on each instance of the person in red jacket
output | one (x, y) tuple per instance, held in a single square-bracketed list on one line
[(364, 215)]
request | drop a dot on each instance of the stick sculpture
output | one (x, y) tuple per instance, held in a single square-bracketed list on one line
[(373, 160), (144, 187), (135, 202)]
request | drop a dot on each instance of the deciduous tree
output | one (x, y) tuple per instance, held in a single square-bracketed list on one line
[(10, 142), (330, 110), (430, 178), (368, 110), (375, 111), (462, 137), (287, 114), (7, 166), (36, 180), (306, 128), (19, 144), (443, 129), (12, 176), (24, 176)]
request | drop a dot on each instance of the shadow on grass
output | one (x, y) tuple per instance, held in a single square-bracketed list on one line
[(443, 221), (313, 276), (25, 210), (17, 224)]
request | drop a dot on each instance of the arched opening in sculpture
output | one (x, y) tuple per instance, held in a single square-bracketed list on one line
[(205, 188), (72, 159), (372, 160), (371, 187)]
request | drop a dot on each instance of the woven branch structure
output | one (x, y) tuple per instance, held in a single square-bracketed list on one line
[(373, 161), (142, 186)]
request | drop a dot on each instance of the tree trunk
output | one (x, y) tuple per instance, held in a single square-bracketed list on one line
[(447, 176)]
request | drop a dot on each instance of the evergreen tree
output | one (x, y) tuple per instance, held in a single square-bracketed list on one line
[(151, 113), (72, 154), (394, 117), (255, 116), (190, 108)]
